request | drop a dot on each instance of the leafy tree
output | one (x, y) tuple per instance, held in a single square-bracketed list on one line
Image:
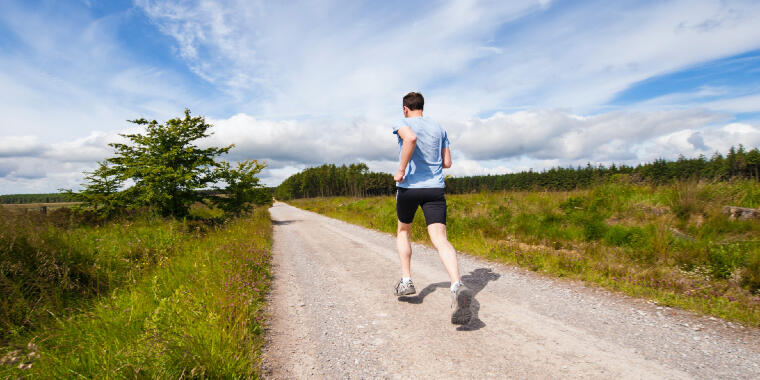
[(168, 172), (243, 187), (753, 161), (101, 192), (165, 164)]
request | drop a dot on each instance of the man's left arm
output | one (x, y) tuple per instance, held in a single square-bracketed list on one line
[(446, 151)]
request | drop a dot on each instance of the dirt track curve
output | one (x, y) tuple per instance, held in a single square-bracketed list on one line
[(333, 315)]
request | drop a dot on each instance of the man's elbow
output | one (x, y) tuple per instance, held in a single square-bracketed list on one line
[(411, 139)]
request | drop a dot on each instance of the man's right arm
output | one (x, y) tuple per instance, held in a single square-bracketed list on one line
[(407, 149), (446, 154)]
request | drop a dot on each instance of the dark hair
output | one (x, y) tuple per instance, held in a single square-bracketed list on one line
[(414, 101)]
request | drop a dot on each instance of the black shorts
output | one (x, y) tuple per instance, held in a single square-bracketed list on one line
[(432, 200)]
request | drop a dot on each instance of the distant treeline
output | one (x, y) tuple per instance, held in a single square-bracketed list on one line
[(329, 180), (737, 163), (35, 198), (357, 180)]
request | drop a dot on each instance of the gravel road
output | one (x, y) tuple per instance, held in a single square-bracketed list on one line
[(333, 315)]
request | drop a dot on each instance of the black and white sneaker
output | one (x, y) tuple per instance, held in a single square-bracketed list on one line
[(404, 288)]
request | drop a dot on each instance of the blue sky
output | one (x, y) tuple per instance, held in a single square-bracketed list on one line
[(518, 84), (730, 77), (740, 73)]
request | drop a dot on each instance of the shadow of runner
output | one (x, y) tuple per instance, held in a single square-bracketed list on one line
[(417, 299), (283, 222), (475, 280)]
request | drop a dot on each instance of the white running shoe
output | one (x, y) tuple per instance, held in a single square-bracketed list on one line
[(404, 288)]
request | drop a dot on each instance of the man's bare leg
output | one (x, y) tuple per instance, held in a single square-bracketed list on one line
[(461, 296), (446, 251), (404, 246)]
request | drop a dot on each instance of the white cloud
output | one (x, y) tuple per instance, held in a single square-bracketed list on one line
[(304, 142), (88, 149), (465, 167), (708, 140), (6, 167), (334, 59), (556, 134), (503, 143), (735, 99), (70, 75), (19, 146), (523, 140), (275, 176), (748, 103), (39, 175), (331, 58)]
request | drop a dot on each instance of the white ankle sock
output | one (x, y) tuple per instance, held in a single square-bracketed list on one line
[(455, 285), (406, 280)]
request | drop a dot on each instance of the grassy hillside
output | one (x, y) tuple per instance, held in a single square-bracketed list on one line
[(146, 297), (669, 243)]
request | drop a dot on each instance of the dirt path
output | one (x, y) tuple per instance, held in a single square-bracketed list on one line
[(334, 316)]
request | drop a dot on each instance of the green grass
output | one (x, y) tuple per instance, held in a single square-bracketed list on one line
[(667, 243), (165, 300), (47, 269)]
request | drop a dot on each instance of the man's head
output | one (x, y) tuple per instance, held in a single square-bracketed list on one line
[(413, 104)]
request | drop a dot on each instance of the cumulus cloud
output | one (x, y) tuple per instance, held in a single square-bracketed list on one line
[(557, 134), (502, 143), (6, 167), (88, 149), (534, 139), (35, 175), (31, 168), (304, 142), (697, 141), (19, 146)]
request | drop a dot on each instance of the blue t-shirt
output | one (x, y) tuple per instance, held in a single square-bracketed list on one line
[(425, 169)]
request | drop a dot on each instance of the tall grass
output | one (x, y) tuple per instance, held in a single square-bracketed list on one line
[(46, 270), (670, 243), (165, 300)]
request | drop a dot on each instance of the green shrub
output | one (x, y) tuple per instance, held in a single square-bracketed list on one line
[(594, 229), (723, 259), (683, 200), (572, 204), (621, 236), (751, 278), (500, 215)]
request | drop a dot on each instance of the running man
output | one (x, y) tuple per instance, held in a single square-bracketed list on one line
[(423, 154)]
